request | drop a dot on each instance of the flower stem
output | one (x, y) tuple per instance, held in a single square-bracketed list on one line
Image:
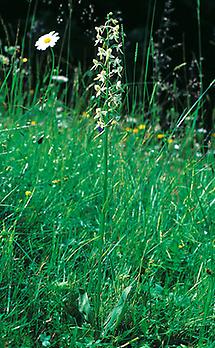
[(51, 74), (102, 226)]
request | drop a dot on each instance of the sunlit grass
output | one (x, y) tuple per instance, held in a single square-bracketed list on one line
[(159, 238)]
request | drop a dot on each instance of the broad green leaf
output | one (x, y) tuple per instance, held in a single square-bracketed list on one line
[(115, 316)]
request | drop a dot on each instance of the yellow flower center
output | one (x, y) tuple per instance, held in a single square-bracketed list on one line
[(47, 40)]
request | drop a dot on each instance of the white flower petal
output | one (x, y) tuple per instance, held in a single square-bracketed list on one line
[(47, 40)]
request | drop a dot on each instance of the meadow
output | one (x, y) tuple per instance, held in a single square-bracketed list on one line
[(107, 235)]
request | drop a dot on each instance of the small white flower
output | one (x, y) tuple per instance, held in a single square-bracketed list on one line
[(114, 33), (118, 85), (99, 39), (96, 64), (114, 100), (100, 114), (101, 76), (176, 147), (119, 48), (101, 52), (99, 90), (117, 62), (60, 78), (4, 60), (47, 40), (59, 109), (118, 71), (201, 130), (105, 53)]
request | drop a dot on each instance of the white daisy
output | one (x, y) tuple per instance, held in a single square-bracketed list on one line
[(47, 40)]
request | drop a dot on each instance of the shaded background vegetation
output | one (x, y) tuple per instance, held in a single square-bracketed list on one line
[(183, 38)]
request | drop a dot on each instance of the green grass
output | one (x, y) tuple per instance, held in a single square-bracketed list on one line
[(158, 237), (129, 267)]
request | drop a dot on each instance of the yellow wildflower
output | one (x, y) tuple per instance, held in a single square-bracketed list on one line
[(135, 130), (160, 136), (180, 246), (128, 129), (24, 60), (170, 140), (28, 193), (56, 181), (141, 126), (33, 123)]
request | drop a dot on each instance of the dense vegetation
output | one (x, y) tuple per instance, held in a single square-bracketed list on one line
[(107, 235)]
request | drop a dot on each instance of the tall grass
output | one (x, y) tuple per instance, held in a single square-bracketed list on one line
[(107, 240)]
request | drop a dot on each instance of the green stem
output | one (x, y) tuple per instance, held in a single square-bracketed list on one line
[(102, 225), (51, 74), (105, 184)]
